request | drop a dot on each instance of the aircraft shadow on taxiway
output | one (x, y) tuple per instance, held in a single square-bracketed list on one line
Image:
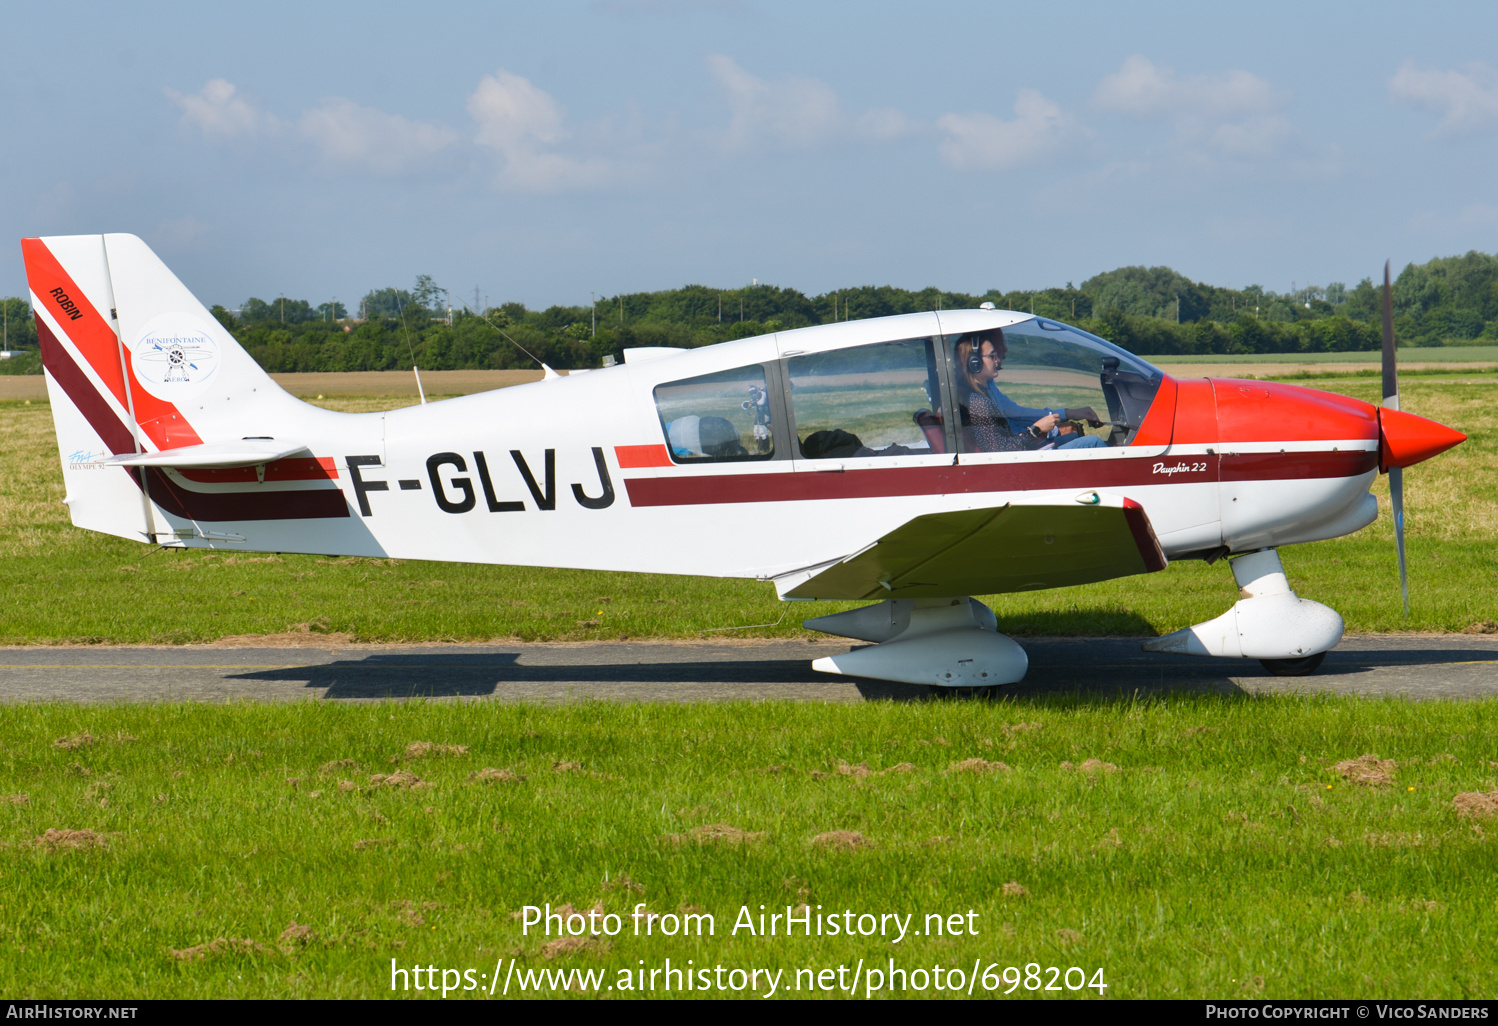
[(1084, 669)]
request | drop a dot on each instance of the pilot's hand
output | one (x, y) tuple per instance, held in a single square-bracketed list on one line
[(1086, 413), (1046, 423)]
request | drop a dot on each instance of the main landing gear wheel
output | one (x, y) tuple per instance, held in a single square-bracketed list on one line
[(977, 694), (1294, 667)]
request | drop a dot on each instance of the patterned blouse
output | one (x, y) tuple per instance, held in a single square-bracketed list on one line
[(990, 429)]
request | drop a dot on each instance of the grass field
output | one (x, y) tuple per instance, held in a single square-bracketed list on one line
[(61, 584), (1217, 846), (1206, 845)]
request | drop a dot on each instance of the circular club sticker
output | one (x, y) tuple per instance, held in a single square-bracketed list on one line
[(175, 357)]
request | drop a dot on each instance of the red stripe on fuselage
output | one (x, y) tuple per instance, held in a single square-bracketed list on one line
[(878, 482), (633, 457), (162, 422)]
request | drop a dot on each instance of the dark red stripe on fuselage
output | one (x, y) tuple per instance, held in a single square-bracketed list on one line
[(877, 482), (1289, 466), (166, 493), (309, 504), (291, 469)]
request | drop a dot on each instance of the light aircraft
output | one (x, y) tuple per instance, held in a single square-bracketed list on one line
[(910, 461)]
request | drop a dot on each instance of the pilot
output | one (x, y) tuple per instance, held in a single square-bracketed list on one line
[(989, 349), (988, 428)]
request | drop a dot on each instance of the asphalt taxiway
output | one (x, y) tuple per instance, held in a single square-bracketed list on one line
[(1410, 666)]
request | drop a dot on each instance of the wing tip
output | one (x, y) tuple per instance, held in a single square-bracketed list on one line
[(1144, 536)]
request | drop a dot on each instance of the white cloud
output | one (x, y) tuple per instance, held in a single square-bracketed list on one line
[(1230, 115), (350, 137), (512, 113), (525, 125), (1467, 100), (1143, 89), (982, 142), (219, 111), (525, 135), (344, 135), (795, 112)]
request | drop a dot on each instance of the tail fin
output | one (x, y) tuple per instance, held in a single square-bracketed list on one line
[(135, 364)]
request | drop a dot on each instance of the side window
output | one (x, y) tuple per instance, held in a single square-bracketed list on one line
[(717, 418), (867, 401)]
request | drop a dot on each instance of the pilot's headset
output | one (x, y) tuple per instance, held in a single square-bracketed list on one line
[(974, 364)]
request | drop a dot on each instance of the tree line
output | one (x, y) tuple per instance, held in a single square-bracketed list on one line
[(1147, 310)]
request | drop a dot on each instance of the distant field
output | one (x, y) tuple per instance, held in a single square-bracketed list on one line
[(1439, 354), (396, 384), (1207, 845), (58, 583), (1447, 359), (402, 383)]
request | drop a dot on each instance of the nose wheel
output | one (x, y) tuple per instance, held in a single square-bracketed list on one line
[(1289, 635), (1294, 667), (938, 692)]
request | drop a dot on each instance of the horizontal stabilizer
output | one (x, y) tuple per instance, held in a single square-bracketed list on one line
[(994, 550), (247, 452)]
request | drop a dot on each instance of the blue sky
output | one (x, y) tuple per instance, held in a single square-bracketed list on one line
[(544, 151)]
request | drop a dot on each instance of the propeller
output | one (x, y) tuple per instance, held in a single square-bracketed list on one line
[(1391, 402)]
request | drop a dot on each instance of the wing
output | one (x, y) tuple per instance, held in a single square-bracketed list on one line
[(995, 549)]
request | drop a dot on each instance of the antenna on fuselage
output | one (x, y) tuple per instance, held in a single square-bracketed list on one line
[(400, 309), (546, 371)]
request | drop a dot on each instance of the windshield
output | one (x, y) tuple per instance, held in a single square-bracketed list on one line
[(1128, 362), (1056, 384)]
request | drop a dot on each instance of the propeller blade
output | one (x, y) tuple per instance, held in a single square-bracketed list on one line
[(1391, 402), (1391, 370), (1396, 499)]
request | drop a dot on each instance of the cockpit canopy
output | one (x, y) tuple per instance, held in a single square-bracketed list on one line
[(1050, 366), (1034, 385)]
